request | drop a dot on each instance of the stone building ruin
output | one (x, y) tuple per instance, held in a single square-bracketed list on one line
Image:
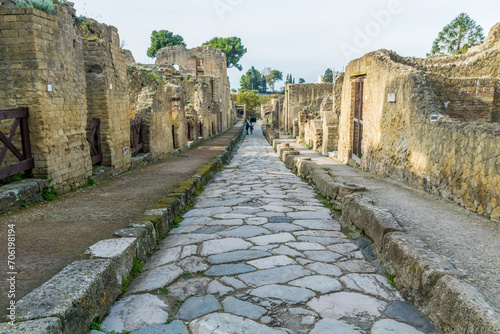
[(85, 94), (431, 123)]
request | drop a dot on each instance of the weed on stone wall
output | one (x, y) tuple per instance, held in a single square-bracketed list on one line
[(50, 194), (45, 5)]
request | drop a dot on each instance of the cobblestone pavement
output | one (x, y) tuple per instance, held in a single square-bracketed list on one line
[(259, 253)]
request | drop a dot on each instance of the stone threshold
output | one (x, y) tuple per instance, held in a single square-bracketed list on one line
[(85, 290), (423, 277)]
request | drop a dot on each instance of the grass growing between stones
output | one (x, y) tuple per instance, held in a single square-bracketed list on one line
[(134, 272), (390, 279)]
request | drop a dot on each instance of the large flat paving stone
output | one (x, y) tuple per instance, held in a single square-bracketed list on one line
[(402, 311), (306, 246), (327, 225), (244, 232), (175, 327), (274, 275), (212, 247), (390, 326), (282, 292), (357, 266), (272, 239), (310, 215), (237, 256), (319, 283), (207, 212), (283, 227), (272, 262), (196, 307), (224, 323), (155, 279), (325, 269), (374, 285), (347, 304), (323, 240), (163, 256), (134, 312), (285, 250), (187, 239), (245, 309), (331, 326), (229, 269), (322, 256)]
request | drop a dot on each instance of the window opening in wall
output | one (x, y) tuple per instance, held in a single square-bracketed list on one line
[(212, 87), (200, 67), (213, 128), (189, 131), (200, 129), (357, 133)]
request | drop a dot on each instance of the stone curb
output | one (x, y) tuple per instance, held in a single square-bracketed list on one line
[(27, 191), (422, 275), (85, 290)]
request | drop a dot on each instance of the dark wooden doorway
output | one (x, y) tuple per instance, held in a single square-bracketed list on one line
[(357, 133)]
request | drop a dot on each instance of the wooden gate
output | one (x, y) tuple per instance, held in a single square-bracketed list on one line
[(26, 162), (94, 139), (357, 132), (136, 142)]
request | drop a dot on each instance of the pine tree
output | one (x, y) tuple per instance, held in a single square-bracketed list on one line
[(458, 36)]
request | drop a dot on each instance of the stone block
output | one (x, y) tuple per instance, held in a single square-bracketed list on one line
[(81, 292), (375, 222), (121, 251), (40, 326), (460, 308), (417, 269), (145, 235)]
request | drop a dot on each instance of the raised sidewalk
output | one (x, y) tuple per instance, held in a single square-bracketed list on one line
[(444, 258), (51, 235)]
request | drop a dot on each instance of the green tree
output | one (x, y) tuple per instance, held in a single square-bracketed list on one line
[(302, 80), (251, 99), (232, 47), (328, 77), (458, 36), (272, 77), (289, 79), (161, 39), (253, 80)]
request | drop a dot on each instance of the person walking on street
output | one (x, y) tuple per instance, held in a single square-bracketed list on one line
[(247, 126), (251, 128)]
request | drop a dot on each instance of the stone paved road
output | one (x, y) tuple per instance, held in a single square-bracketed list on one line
[(259, 254)]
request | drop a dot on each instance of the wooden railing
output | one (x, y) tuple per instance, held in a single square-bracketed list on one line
[(26, 162)]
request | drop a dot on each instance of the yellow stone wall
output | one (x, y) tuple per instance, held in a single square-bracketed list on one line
[(107, 94), (412, 139), (37, 50)]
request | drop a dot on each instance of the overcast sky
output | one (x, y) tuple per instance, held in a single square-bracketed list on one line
[(299, 37)]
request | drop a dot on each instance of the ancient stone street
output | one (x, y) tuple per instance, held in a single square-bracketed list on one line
[(259, 253)]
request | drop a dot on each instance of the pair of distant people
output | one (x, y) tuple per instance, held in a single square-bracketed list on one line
[(248, 126)]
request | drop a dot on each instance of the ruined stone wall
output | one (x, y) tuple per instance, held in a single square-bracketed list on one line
[(107, 94), (208, 64), (42, 67), (412, 139), (300, 96), (330, 114), (313, 134)]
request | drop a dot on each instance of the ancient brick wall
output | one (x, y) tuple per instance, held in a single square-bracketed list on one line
[(300, 96), (407, 135), (107, 94), (467, 99), (41, 67)]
